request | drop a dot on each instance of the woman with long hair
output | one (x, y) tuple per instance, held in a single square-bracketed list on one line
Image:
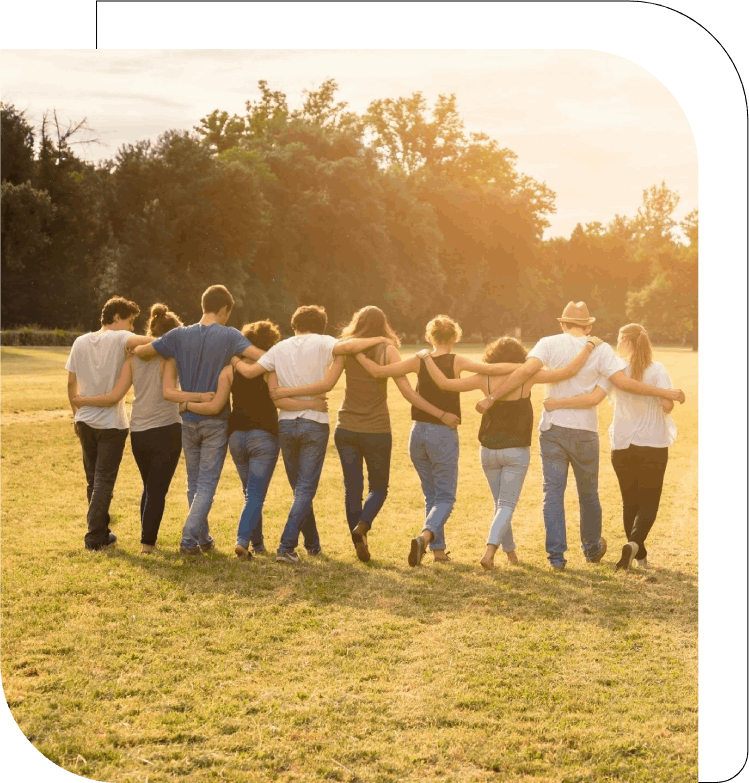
[(641, 432), (155, 425), (433, 442), (363, 434), (505, 432), (253, 434)]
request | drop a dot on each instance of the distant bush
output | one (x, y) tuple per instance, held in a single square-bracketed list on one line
[(28, 335)]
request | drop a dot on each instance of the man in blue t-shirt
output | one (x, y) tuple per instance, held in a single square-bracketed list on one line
[(200, 352)]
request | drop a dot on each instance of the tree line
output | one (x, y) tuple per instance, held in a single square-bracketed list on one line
[(399, 207)]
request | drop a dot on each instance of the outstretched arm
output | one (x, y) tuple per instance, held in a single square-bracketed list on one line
[(252, 352), (216, 405), (170, 391), (515, 379), (248, 369), (388, 370), (620, 380), (124, 382), (137, 340), (405, 388), (580, 401), (358, 344), (312, 389), (319, 403), (464, 364), (572, 369), (453, 384), (144, 350)]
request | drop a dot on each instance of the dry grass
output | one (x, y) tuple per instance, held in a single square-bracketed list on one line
[(121, 667)]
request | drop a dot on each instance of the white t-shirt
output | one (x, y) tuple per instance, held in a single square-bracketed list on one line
[(298, 361), (96, 359), (557, 352), (640, 420)]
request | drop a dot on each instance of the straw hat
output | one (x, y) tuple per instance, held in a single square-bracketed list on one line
[(576, 313)]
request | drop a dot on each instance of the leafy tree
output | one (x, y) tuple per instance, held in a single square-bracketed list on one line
[(16, 146)]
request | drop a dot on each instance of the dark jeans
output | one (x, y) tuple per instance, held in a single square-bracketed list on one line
[(354, 449), (156, 453), (303, 443), (102, 454), (640, 470)]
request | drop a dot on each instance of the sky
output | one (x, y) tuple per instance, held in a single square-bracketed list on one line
[(597, 128)]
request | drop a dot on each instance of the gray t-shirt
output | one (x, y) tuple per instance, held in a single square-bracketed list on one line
[(96, 359), (150, 409)]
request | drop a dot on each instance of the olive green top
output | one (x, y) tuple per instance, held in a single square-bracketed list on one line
[(365, 407)]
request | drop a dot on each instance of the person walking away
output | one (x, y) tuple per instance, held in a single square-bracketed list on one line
[(641, 433), (200, 352), (94, 366)]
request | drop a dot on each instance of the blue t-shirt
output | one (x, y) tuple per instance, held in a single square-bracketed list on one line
[(201, 351)]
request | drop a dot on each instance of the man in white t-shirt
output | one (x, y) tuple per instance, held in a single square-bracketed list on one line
[(94, 367), (570, 436), (303, 435)]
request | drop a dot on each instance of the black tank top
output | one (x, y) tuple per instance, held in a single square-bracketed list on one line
[(251, 406), (444, 400), (508, 424)]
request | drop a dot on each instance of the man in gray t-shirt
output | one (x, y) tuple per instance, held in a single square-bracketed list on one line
[(571, 436), (94, 367)]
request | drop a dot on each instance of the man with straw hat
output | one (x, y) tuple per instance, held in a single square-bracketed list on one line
[(570, 436)]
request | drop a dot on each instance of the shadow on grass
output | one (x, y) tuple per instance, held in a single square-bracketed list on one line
[(594, 594)]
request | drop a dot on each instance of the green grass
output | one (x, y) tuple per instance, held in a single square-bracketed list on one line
[(121, 667)]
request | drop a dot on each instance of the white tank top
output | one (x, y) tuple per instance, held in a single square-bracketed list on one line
[(150, 409)]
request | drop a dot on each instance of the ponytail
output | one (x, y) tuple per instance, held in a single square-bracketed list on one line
[(642, 350), (162, 320)]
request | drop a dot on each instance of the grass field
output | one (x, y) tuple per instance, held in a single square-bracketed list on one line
[(122, 667)]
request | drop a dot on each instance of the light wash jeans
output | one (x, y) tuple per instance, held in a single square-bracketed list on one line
[(434, 450), (561, 446), (204, 444), (505, 471), (303, 443), (255, 453)]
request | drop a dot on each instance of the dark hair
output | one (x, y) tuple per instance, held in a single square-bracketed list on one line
[(263, 334), (216, 297), (442, 329), (118, 308), (309, 318), (370, 321), (162, 321), (506, 349)]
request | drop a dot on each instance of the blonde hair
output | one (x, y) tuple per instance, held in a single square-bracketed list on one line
[(442, 329), (162, 320), (642, 350)]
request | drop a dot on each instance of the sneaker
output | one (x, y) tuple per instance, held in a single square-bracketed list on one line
[(288, 557), (314, 552), (242, 552), (643, 563), (111, 539), (191, 551), (417, 551), (359, 537), (208, 547), (259, 550), (629, 550), (599, 556), (557, 566)]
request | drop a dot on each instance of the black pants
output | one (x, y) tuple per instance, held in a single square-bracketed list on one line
[(156, 453), (102, 454), (640, 470)]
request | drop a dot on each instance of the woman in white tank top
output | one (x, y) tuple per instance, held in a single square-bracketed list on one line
[(155, 425)]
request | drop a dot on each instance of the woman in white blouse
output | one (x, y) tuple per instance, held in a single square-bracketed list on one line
[(641, 432)]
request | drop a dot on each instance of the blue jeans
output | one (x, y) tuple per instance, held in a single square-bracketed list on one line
[(204, 444), (255, 453), (561, 446), (303, 443), (434, 450), (505, 471), (355, 448)]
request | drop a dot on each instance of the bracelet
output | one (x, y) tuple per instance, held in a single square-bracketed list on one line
[(187, 410), (590, 342), (443, 415)]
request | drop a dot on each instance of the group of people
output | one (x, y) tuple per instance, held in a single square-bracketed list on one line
[(208, 388)]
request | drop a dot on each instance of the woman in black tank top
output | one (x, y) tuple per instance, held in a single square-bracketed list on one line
[(505, 433), (253, 434)]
